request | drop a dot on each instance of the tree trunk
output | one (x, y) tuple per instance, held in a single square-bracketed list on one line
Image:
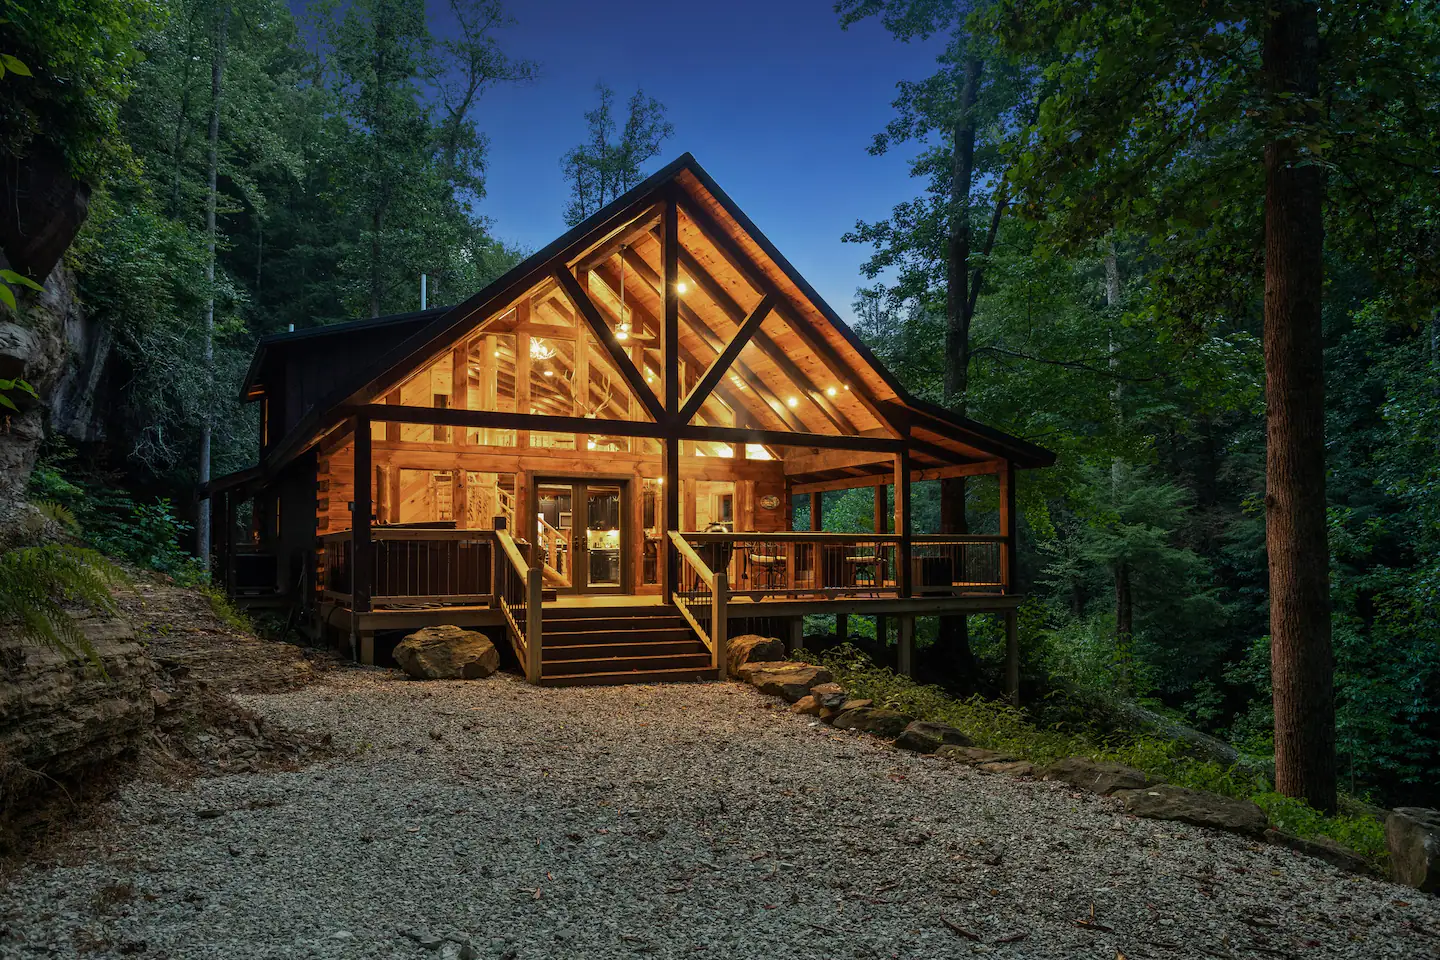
[(1124, 627), (1295, 533), (954, 638), (217, 76)]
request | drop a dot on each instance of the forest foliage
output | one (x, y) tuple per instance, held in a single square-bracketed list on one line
[(1115, 266)]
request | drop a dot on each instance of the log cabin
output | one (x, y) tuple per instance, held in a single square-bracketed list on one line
[(600, 456)]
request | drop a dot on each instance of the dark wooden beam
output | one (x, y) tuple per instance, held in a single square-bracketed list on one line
[(779, 357), (362, 551), (581, 299), (510, 421), (670, 254), (733, 435), (1008, 553), (902, 522), (606, 249), (778, 410), (727, 357), (737, 258)]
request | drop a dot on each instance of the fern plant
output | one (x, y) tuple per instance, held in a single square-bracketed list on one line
[(37, 582)]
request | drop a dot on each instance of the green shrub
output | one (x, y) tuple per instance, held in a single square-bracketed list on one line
[(148, 534), (999, 726)]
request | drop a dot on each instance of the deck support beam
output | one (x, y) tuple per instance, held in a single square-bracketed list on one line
[(1012, 657), (794, 634), (905, 653)]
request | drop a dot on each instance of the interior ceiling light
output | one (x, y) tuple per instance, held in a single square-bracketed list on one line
[(540, 350), (549, 373), (680, 286), (793, 401), (830, 391)]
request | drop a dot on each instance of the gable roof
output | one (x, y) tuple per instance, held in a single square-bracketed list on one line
[(704, 199)]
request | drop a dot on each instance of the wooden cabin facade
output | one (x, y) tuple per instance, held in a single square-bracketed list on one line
[(600, 454)]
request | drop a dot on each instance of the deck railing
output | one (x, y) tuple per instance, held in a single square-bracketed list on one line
[(518, 591), (334, 566), (762, 565), (700, 595), (411, 565), (958, 563)]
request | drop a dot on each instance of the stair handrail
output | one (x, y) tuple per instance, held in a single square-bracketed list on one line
[(717, 581), (528, 640)]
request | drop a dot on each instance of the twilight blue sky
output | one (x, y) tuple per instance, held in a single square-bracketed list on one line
[(771, 96)]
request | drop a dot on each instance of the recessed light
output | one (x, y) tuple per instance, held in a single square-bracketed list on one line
[(793, 401), (830, 391), (549, 373), (680, 286)]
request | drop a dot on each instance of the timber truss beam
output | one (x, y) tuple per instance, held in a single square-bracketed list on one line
[(731, 252)]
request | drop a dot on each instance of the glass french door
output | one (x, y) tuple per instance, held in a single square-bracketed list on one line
[(580, 532)]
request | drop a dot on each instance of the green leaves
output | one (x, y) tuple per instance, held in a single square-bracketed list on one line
[(7, 387), (9, 64)]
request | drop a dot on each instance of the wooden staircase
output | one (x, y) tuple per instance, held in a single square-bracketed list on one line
[(620, 644)]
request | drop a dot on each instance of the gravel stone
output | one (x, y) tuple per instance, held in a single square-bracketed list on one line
[(675, 821)]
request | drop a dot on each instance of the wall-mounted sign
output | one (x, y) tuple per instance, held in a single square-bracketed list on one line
[(769, 501)]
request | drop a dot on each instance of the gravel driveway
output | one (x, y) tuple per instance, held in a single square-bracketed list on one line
[(495, 819)]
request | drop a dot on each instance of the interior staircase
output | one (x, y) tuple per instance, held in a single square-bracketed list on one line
[(620, 644)]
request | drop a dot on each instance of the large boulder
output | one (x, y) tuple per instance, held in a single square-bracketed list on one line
[(1103, 777), (1165, 801), (924, 736), (1413, 836), (785, 679), (752, 648), (880, 721), (447, 653)]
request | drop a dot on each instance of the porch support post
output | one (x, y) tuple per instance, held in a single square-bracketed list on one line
[(362, 550), (1012, 657), (817, 511), (794, 634), (720, 624), (670, 267), (671, 491), (1007, 528), (902, 522), (882, 526), (229, 542), (905, 656)]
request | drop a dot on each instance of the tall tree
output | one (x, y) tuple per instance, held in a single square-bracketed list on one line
[(953, 107), (603, 167), (218, 49), (1178, 121), (1302, 662)]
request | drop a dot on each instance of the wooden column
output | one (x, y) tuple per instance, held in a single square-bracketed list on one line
[(817, 511), (905, 655), (902, 522), (794, 634), (1007, 527), (882, 526), (670, 240), (671, 491), (522, 371), (670, 266), (362, 549), (1012, 657)]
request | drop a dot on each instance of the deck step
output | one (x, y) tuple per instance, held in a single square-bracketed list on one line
[(629, 676), (609, 613), (561, 638), (672, 661), (620, 651)]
